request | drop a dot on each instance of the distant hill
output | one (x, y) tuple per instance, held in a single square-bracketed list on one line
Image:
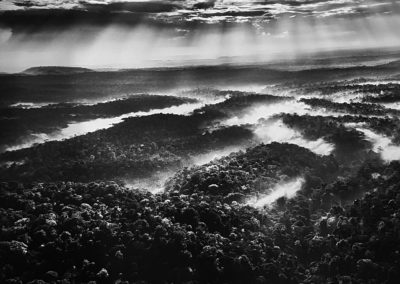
[(55, 70), (391, 64)]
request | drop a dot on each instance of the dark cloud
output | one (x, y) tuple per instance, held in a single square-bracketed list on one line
[(39, 19), (45, 16), (136, 7), (121, 13), (249, 13), (37, 15), (204, 5), (26, 4)]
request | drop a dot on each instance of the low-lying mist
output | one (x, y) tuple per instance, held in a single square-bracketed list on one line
[(267, 111), (81, 128), (155, 183), (268, 129), (212, 155), (283, 189), (277, 131), (382, 145)]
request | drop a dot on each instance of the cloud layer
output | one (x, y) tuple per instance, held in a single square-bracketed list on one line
[(184, 11), (108, 33)]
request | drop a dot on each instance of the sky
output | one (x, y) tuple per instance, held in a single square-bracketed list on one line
[(134, 34)]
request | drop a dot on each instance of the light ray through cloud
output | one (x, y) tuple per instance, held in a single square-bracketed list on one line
[(134, 34)]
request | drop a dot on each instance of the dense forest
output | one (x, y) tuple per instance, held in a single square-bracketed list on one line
[(295, 182)]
